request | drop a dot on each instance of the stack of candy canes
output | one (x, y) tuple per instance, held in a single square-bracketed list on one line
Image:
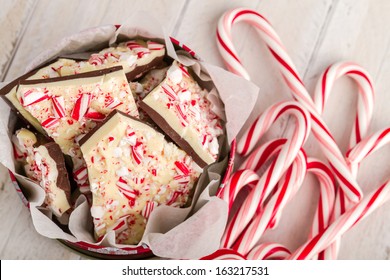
[(341, 203)]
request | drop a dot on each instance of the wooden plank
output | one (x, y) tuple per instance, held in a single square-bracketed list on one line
[(14, 16)]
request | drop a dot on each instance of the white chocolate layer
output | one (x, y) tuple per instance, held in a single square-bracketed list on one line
[(56, 199), (129, 55), (23, 143), (41, 168), (81, 102), (132, 169)]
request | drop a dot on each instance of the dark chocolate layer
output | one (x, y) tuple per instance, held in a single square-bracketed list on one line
[(140, 70), (62, 179), (7, 89), (164, 125), (73, 77)]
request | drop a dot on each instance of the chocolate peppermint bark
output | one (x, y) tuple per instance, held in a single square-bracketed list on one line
[(54, 177), (136, 57), (132, 169), (66, 108), (44, 164), (179, 106), (23, 142)]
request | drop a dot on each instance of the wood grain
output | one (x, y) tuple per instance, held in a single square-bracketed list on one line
[(14, 16)]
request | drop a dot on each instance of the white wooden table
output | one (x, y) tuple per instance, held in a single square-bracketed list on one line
[(316, 33)]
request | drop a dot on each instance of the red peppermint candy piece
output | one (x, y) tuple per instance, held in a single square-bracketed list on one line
[(127, 191), (58, 106), (96, 59), (137, 152), (31, 97), (121, 225), (169, 92), (131, 137), (17, 153), (154, 46), (180, 109), (182, 168), (195, 112), (94, 115), (114, 104), (50, 122), (81, 107), (80, 174), (137, 48), (182, 179), (149, 207), (174, 197), (184, 70)]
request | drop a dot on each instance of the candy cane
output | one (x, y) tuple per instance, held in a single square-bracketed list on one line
[(269, 251), (246, 173), (262, 154), (294, 177), (235, 184), (343, 223), (366, 95), (368, 146), (224, 254), (278, 166), (323, 215), (290, 75), (274, 206), (362, 120), (359, 211)]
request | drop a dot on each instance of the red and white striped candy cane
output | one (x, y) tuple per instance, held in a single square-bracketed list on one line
[(259, 157), (366, 96), (343, 223), (359, 211), (322, 218), (282, 195), (224, 254), (269, 251), (289, 185), (324, 212), (235, 184), (362, 120), (278, 167), (368, 146), (292, 78), (246, 174)]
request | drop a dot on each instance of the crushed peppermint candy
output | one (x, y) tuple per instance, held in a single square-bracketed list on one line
[(184, 105), (67, 110), (142, 171)]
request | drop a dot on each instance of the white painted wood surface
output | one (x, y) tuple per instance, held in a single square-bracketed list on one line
[(316, 33)]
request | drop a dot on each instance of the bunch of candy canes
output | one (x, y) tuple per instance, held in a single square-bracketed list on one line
[(341, 203)]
